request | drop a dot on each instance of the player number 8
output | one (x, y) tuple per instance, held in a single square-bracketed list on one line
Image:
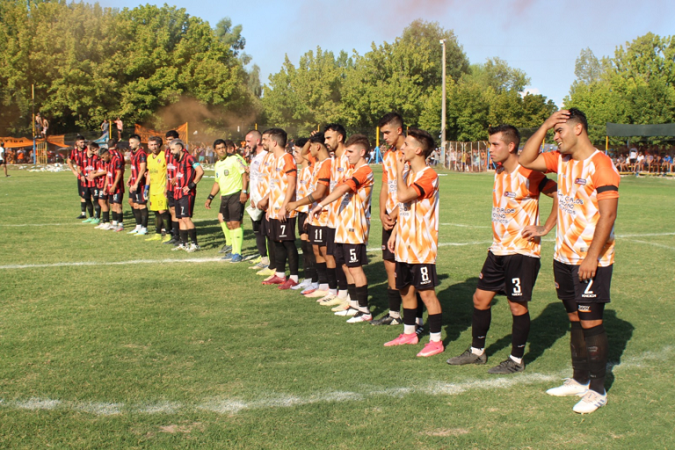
[(425, 274)]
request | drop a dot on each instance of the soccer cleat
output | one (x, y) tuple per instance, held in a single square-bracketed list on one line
[(193, 248), (134, 231), (225, 249), (387, 320), (507, 367), (256, 260), (403, 339), (179, 247), (310, 288), (119, 228), (288, 284), (302, 285), (432, 348), (332, 301), (590, 402), (274, 280), (142, 232), (236, 258), (171, 241), (81, 216), (227, 257), (266, 272), (361, 317), (349, 312), (569, 387), (259, 266), (317, 294), (341, 307), (468, 357), (95, 222), (101, 226), (89, 220), (155, 237), (166, 238)]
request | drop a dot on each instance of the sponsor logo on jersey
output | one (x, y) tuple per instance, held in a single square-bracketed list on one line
[(585, 308), (580, 181), (510, 194)]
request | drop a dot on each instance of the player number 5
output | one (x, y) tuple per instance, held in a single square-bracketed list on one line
[(352, 255)]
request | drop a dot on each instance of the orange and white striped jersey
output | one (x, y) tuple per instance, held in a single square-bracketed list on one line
[(265, 175), (303, 188), (417, 225), (321, 175), (339, 171), (515, 205), (354, 208), (580, 185), (283, 169), (389, 176)]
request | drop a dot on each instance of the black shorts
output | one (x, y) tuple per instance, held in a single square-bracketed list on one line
[(231, 207), (514, 275), (101, 194), (317, 235), (302, 220), (2, 162), (266, 227), (86, 192), (351, 255), (138, 198), (117, 198), (421, 276), (572, 291), (330, 241), (169, 199), (386, 254), (282, 231), (258, 226), (185, 206)]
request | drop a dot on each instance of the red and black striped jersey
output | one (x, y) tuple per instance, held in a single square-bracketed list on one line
[(76, 157), (100, 165), (115, 166), (170, 169), (88, 165), (137, 158), (185, 174)]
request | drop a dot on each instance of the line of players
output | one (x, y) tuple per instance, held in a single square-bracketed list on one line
[(330, 202), (163, 181)]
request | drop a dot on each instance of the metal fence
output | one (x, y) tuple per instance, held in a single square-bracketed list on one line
[(467, 156)]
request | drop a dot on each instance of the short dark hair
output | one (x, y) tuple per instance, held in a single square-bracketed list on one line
[(229, 143), (509, 133), (171, 134), (178, 142), (300, 142), (218, 142), (317, 138), (79, 137), (112, 143), (135, 136), (579, 117), (93, 145), (393, 118), (279, 136), (359, 139), (339, 129), (424, 138), (156, 139), (102, 151)]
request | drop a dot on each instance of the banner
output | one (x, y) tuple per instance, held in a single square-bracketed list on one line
[(145, 133), (12, 142)]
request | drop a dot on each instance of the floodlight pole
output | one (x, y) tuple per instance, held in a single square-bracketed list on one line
[(443, 108)]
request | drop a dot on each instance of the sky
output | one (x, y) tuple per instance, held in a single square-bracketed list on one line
[(541, 37)]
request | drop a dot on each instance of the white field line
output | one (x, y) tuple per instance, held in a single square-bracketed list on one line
[(652, 243), (276, 400), (74, 224)]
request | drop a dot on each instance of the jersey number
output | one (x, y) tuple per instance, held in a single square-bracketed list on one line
[(182, 210), (283, 230), (424, 271), (317, 234), (352, 255), (516, 286), (588, 291)]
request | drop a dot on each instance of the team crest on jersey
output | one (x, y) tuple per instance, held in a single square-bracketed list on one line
[(580, 181), (510, 194), (226, 172)]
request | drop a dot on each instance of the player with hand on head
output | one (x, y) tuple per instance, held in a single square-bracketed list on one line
[(136, 183), (188, 173), (414, 240), (353, 227), (588, 199), (232, 182), (513, 263)]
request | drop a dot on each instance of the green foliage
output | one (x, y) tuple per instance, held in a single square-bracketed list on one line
[(636, 86), (90, 63), (498, 75)]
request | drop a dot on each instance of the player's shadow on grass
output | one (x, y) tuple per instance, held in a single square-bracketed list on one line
[(619, 333), (545, 330), (457, 303)]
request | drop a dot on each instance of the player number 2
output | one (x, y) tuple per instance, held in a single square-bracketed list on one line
[(424, 271), (588, 291), (516, 285)]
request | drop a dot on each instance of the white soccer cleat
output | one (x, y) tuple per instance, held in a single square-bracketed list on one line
[(142, 232), (135, 230), (192, 248), (179, 247), (349, 312), (306, 282), (590, 402), (569, 387), (361, 317)]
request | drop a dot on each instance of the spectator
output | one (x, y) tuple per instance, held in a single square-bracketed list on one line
[(120, 126), (45, 127)]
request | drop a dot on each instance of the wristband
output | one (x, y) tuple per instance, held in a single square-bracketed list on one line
[(210, 197), (191, 185), (244, 191)]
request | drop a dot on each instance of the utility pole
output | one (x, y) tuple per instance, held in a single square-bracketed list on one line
[(443, 109)]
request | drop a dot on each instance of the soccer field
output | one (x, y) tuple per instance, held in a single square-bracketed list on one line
[(108, 341)]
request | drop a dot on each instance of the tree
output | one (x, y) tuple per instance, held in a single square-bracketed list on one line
[(230, 36), (498, 75), (587, 67)]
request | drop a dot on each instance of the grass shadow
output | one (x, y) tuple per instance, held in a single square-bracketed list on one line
[(619, 333), (457, 303)]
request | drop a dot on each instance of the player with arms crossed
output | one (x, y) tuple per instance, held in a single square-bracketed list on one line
[(588, 198), (414, 241), (254, 146), (157, 183), (188, 173), (513, 263), (353, 227), (136, 183)]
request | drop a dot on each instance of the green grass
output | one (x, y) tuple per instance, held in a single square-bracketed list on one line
[(190, 355)]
